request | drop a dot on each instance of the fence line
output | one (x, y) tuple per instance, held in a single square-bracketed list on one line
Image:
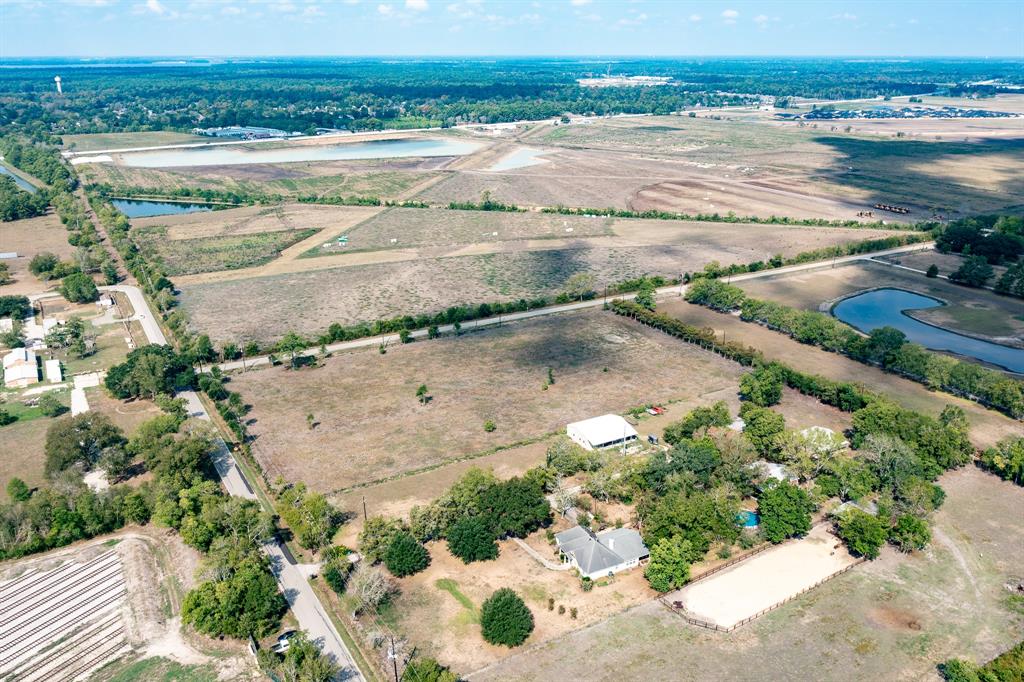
[(732, 562), (677, 607)]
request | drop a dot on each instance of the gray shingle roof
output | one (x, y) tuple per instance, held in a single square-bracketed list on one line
[(599, 552)]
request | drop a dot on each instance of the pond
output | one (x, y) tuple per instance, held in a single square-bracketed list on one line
[(239, 155), (137, 208), (887, 308), (18, 180), (520, 158)]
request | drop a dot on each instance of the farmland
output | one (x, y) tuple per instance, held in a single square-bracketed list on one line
[(975, 312), (189, 256), (27, 238), (96, 141), (371, 430), (308, 294), (891, 618)]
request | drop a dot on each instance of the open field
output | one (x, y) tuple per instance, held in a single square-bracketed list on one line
[(307, 295), (987, 426), (975, 312), (27, 238), (210, 254), (257, 220), (893, 618), (371, 430), (770, 578), (96, 141), (390, 179)]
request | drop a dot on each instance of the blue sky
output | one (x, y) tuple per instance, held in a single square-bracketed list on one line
[(510, 27)]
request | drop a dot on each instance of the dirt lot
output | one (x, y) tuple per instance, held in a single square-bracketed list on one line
[(27, 238), (987, 426), (893, 618), (975, 312), (309, 294), (371, 430)]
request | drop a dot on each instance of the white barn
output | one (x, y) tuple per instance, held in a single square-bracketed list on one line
[(606, 431), (20, 368)]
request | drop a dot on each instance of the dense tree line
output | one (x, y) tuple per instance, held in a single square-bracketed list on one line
[(997, 238), (38, 160), (16, 203), (885, 347), (1006, 667)]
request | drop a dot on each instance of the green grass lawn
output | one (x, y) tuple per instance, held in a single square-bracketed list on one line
[(451, 587), (156, 670)]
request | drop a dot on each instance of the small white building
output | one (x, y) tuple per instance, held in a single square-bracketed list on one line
[(606, 431), (597, 555), (21, 368), (54, 373), (79, 403)]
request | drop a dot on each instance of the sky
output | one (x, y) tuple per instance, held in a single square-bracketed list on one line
[(978, 28)]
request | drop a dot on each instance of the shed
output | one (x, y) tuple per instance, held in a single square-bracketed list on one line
[(54, 374), (21, 368), (79, 403), (606, 431)]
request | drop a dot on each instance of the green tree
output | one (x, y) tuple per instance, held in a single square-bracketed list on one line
[(150, 371), (1006, 459), (82, 439), (515, 507), (471, 539), (973, 272), (377, 535), (863, 533), (932, 272), (645, 296), (78, 287), (505, 620), (762, 426), (763, 386), (302, 662), (18, 491), (427, 670), (579, 285), (910, 533), (422, 394), (699, 418), (51, 406), (668, 568), (785, 511), (242, 601), (405, 555), (43, 263)]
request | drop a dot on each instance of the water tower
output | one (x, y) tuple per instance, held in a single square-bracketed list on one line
[(56, 79)]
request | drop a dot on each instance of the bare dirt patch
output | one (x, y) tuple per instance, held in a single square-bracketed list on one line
[(370, 430)]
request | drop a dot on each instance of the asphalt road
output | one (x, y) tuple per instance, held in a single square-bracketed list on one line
[(568, 307), (305, 605)]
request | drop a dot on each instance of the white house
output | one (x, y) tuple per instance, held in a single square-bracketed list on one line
[(597, 555), (607, 431), (20, 368)]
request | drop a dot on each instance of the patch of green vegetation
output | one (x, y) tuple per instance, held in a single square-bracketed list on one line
[(111, 542), (211, 254), (156, 670), (535, 592), (451, 587)]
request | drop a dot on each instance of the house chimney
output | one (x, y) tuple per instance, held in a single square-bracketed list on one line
[(611, 544)]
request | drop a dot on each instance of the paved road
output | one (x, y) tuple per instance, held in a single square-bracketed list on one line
[(308, 610), (568, 307)]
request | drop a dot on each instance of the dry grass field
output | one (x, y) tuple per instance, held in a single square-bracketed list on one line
[(308, 294), (987, 426), (97, 141), (27, 238), (893, 618), (368, 430), (975, 312)]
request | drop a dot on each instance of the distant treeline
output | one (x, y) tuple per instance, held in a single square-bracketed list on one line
[(41, 161)]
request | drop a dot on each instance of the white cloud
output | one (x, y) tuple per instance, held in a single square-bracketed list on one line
[(416, 5), (155, 7), (593, 16), (386, 10), (231, 11), (761, 19), (312, 11), (845, 16), (729, 16), (695, 18), (579, 3), (455, 29), (285, 7), (635, 21)]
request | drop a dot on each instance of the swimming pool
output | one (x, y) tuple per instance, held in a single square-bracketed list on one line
[(748, 519)]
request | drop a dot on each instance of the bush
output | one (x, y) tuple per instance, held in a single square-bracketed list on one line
[(405, 556), (910, 533), (701, 417), (15, 307), (932, 272), (427, 670), (763, 386), (51, 406), (489, 426), (668, 567), (336, 573), (505, 620), (471, 539), (863, 533)]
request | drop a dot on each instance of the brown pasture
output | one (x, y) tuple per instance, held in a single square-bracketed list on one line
[(27, 238)]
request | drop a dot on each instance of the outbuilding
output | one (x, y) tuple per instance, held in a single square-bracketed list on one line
[(606, 431), (21, 368), (54, 374)]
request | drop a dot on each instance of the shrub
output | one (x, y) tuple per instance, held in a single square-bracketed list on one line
[(932, 272), (668, 567), (785, 511), (701, 417), (377, 535), (51, 406), (505, 620), (471, 539), (489, 426), (763, 386), (427, 670), (78, 287), (336, 573), (405, 556), (910, 533), (863, 533)]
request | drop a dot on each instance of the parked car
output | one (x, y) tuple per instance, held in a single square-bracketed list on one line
[(284, 641)]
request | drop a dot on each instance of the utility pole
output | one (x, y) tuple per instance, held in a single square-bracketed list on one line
[(364, 508), (393, 655)]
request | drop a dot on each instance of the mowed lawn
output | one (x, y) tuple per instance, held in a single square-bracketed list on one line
[(369, 424), (893, 618)]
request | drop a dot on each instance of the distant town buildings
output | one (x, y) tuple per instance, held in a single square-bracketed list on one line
[(244, 132), (828, 113), (623, 81)]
